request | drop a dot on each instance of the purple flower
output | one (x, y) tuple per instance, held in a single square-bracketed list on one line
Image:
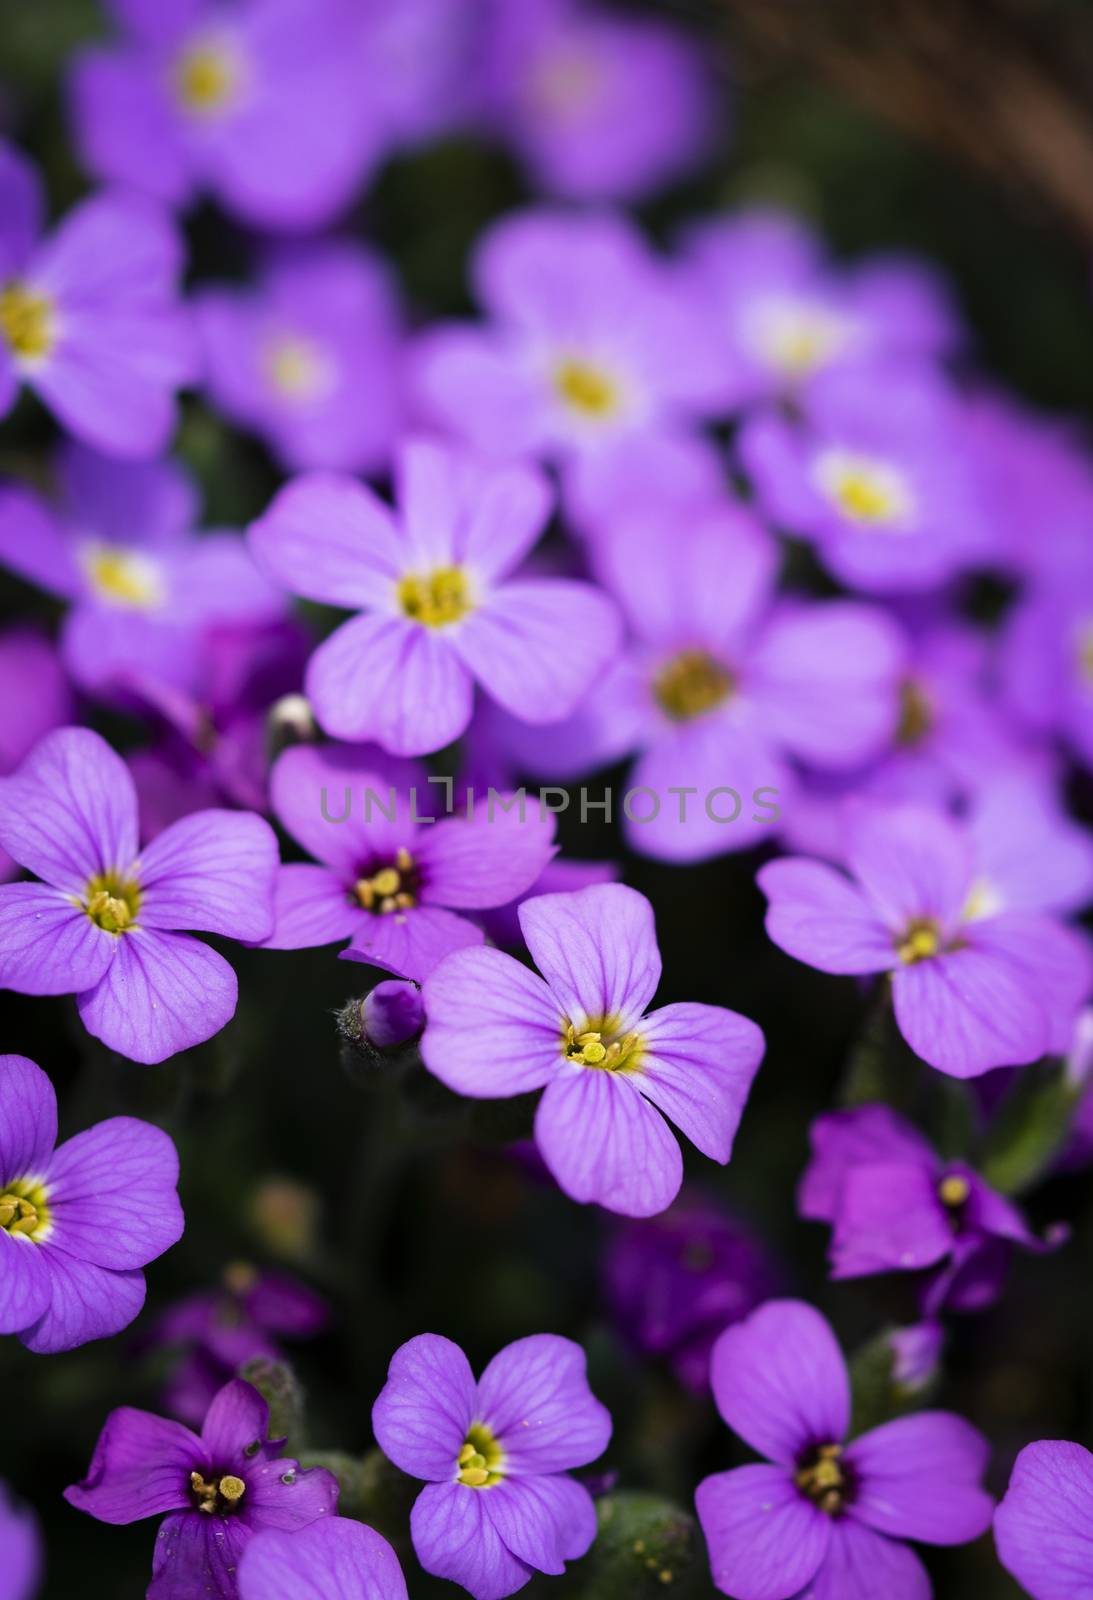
[(495, 1454), (1046, 659), (142, 589), (783, 314), (309, 357), (78, 1222), (826, 1520), (721, 685), (875, 476), (571, 87), (392, 1013), (34, 699), (217, 1489), (916, 1355), (495, 1029), (971, 991), (895, 1206), (89, 317), (336, 1559), (20, 1549), (101, 922), (675, 1282), (422, 61), (438, 611), (391, 880), (220, 1329), (591, 342), (1043, 1528), (255, 101)]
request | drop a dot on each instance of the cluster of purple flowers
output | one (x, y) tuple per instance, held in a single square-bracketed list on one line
[(570, 570)]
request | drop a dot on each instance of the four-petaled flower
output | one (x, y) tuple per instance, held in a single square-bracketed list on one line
[(495, 1454), (825, 1520), (101, 923), (1043, 1528), (495, 1029), (216, 1490)]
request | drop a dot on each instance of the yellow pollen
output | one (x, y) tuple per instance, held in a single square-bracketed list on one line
[(123, 577), (296, 367), (112, 902), (232, 1488), (691, 684), (206, 79), (916, 714), (602, 1046), (216, 1494), (436, 600), (585, 389), (797, 339), (390, 889), (24, 1210), (26, 322), (953, 1191), (921, 941), (823, 1480), (480, 1459), (868, 492)]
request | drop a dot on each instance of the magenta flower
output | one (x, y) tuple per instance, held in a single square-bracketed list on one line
[(216, 1490), (895, 1206), (255, 101), (101, 923), (438, 611), (1043, 1528), (120, 546), (591, 343), (335, 1559), (78, 1222), (571, 85), (723, 685), (875, 476), (220, 1329), (89, 317), (495, 1454), (389, 877), (675, 1282), (827, 1518), (971, 991), (783, 314), (309, 357), (20, 1549), (580, 1031)]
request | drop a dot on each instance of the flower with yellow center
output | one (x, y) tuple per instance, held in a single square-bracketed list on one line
[(207, 78), (798, 337), (823, 1479), (601, 1043), (954, 1191), (436, 599), (217, 1495), (690, 684), (391, 888), (112, 902), (920, 941), (122, 577), (27, 323), (481, 1458), (24, 1210), (865, 490), (296, 368), (586, 390)]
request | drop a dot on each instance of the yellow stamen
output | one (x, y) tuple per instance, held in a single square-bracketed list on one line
[(916, 714), (953, 1191), (112, 902), (389, 889), (586, 389), (823, 1480), (24, 1209), (123, 577), (921, 941), (216, 1494), (206, 79), (797, 338), (26, 322), (602, 1046), (691, 684), (296, 367), (480, 1458), (437, 599), (232, 1488), (869, 492)]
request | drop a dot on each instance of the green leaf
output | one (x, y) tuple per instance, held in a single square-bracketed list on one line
[(1030, 1129)]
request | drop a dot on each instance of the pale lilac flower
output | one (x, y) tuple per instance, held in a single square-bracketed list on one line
[(77, 1223), (591, 343), (438, 609), (333, 1559), (386, 875), (971, 991), (875, 476), (120, 546), (101, 923), (895, 1206), (782, 313), (309, 357), (827, 1519), (498, 1504), (217, 1490), (1045, 658), (256, 101), (1043, 1528), (90, 318), (581, 1033), (20, 1549)]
